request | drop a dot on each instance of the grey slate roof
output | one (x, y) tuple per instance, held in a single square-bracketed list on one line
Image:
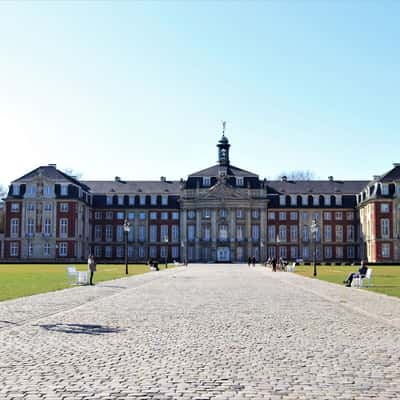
[(50, 172), (230, 170), (316, 187), (136, 187), (392, 175)]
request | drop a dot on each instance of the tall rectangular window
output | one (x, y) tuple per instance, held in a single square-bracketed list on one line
[(328, 252), (141, 252), (239, 232), (293, 252), (98, 232), (142, 233), (63, 249), (350, 233), (384, 207), (46, 249), (120, 200), (306, 233), (14, 207), (109, 233), (339, 233), (282, 233), (175, 233), (153, 200), (223, 232), (31, 227), (142, 200), (328, 233), (164, 233), (131, 200), (271, 215), (293, 216), (109, 200), (175, 215), (120, 233), (385, 250), (206, 232), (14, 249), (164, 200), (271, 233), (293, 233), (63, 227), (47, 227), (153, 233), (339, 252), (282, 216), (64, 207), (255, 232), (108, 251), (385, 228)]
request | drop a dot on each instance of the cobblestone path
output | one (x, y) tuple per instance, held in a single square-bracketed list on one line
[(202, 332)]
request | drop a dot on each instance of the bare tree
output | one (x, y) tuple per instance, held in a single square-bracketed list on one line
[(3, 191), (74, 174), (299, 175)]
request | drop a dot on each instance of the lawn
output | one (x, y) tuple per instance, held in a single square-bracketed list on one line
[(384, 279), (17, 280)]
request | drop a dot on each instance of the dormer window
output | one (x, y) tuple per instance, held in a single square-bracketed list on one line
[(282, 200), (109, 200), (142, 200), (31, 190), (48, 190), (16, 190), (120, 200), (385, 189), (293, 200), (206, 181), (153, 200), (64, 190), (327, 200), (239, 181), (338, 200), (315, 200)]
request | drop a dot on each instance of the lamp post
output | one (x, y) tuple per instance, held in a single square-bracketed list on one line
[(314, 230), (127, 228), (166, 251)]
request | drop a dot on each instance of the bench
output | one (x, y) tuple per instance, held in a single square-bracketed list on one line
[(291, 267), (358, 281), (77, 277)]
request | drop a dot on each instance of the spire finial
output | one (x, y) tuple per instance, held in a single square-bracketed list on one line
[(223, 127)]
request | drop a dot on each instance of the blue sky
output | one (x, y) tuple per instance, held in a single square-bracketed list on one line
[(139, 89)]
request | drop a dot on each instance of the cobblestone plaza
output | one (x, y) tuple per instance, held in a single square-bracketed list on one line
[(202, 332)]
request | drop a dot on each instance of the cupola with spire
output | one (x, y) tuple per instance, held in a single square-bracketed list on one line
[(223, 148)]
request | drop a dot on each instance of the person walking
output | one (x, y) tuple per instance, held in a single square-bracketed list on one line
[(92, 268), (253, 261), (274, 264), (249, 261)]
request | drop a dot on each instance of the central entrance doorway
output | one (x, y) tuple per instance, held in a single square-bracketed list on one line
[(223, 254)]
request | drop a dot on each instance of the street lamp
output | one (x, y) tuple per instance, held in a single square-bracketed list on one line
[(127, 228), (314, 230), (166, 251)]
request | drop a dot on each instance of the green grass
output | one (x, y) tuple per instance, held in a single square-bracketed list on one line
[(18, 280), (384, 279)]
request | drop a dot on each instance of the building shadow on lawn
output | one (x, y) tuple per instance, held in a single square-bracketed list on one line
[(84, 329)]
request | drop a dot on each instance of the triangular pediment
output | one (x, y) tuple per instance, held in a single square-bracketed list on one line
[(223, 191)]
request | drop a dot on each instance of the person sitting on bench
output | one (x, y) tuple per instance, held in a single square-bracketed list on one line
[(361, 272)]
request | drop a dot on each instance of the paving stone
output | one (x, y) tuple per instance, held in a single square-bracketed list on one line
[(203, 332)]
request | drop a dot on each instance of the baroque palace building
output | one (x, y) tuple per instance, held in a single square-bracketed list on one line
[(219, 214)]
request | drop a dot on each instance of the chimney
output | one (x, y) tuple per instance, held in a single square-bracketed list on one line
[(117, 179), (330, 178), (163, 179), (53, 165), (396, 164), (376, 177), (284, 178)]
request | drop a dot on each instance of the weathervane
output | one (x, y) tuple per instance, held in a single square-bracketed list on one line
[(223, 127)]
